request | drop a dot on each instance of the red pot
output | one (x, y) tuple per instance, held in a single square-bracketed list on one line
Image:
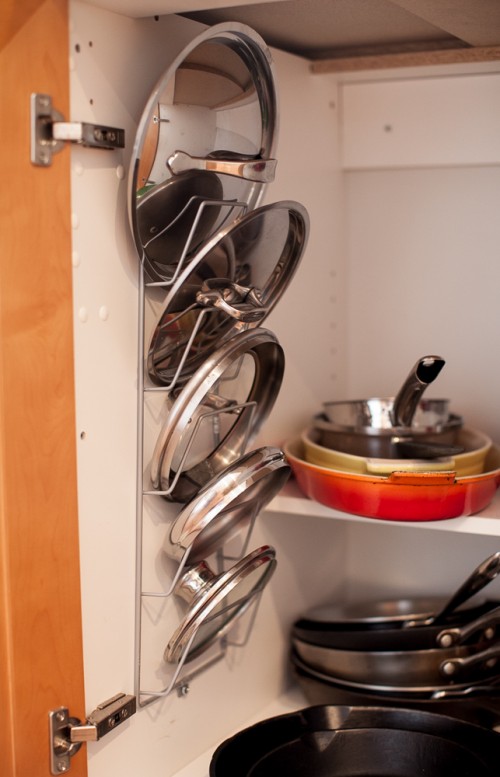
[(400, 496)]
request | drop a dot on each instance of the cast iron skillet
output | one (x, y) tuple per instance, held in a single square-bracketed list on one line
[(331, 741)]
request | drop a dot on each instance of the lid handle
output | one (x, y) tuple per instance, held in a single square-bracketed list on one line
[(238, 165), (243, 303)]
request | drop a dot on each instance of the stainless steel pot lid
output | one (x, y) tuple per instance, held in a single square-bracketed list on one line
[(217, 413), (215, 602), (213, 113), (233, 282), (227, 504), (166, 213)]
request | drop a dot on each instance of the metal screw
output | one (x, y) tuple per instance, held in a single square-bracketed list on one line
[(183, 689), (63, 767)]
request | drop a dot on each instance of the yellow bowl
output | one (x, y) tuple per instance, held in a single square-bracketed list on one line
[(476, 445)]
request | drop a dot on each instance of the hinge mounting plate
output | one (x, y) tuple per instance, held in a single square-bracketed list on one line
[(67, 734), (49, 132)]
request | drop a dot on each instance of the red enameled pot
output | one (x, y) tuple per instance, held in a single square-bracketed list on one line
[(399, 496)]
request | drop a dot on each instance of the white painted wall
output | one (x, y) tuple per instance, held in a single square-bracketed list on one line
[(422, 186)]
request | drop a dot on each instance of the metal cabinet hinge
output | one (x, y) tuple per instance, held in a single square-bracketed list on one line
[(67, 734), (49, 132)]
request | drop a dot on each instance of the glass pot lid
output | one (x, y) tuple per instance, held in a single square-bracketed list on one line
[(216, 601), (233, 282), (217, 413), (227, 504), (207, 133)]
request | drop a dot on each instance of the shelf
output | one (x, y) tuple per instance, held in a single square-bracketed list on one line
[(291, 501)]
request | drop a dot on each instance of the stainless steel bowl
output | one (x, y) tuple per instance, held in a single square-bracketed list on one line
[(386, 441), (359, 415)]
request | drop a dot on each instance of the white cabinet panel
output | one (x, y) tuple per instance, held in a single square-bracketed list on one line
[(418, 123)]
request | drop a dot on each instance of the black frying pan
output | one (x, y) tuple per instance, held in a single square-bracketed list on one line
[(411, 613), (341, 741), (468, 629)]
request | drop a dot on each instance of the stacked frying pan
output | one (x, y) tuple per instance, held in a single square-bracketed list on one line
[(376, 675), (436, 654)]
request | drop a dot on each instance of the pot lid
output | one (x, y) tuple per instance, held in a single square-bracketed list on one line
[(227, 504), (217, 413), (212, 115), (216, 601), (233, 282)]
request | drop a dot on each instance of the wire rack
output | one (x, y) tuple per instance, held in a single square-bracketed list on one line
[(178, 680)]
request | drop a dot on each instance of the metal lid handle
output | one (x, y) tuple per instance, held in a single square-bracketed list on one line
[(249, 168), (240, 302)]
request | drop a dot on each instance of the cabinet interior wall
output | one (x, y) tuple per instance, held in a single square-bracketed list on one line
[(341, 333)]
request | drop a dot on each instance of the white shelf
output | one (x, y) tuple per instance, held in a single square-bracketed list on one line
[(291, 501)]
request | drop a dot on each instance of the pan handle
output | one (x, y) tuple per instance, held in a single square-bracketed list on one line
[(402, 478), (454, 666), (459, 634), (466, 693), (424, 372)]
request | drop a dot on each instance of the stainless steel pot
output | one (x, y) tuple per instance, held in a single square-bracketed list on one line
[(375, 413), (390, 442), (396, 412), (392, 427)]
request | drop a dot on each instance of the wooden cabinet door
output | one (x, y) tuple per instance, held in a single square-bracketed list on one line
[(41, 662)]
